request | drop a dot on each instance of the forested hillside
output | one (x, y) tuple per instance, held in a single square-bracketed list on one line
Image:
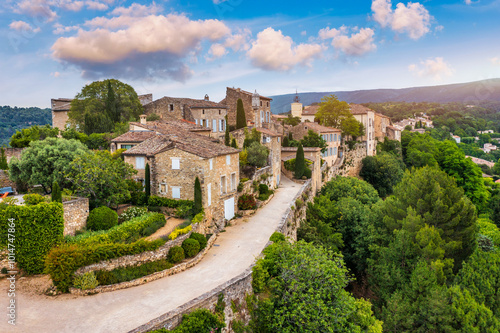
[(14, 118)]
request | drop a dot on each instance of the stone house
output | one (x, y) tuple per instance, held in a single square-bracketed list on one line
[(366, 116), (60, 108), (312, 154), (177, 157), (202, 112), (331, 135), (384, 128), (257, 108), (270, 139)]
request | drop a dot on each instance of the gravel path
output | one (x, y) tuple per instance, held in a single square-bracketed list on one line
[(124, 310)]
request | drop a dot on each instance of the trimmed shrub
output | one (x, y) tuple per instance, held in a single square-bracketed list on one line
[(33, 199), (56, 194), (37, 229), (191, 247), (175, 254), (263, 188), (63, 261), (200, 321), (277, 237), (129, 273), (202, 240), (85, 281), (126, 232), (157, 201), (247, 201), (131, 213), (102, 218), (179, 231)]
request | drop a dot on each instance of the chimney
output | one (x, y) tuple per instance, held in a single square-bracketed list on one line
[(206, 97), (143, 119)]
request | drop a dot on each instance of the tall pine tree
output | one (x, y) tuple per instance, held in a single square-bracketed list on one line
[(300, 163), (241, 120), (197, 196)]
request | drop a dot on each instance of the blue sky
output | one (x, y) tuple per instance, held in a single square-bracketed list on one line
[(52, 48)]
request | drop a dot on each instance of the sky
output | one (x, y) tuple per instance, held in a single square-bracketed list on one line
[(53, 48)]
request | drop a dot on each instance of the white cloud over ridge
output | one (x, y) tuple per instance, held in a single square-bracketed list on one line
[(435, 68), (274, 51), (141, 47), (413, 18)]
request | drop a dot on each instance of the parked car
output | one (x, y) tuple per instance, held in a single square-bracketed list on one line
[(8, 190)]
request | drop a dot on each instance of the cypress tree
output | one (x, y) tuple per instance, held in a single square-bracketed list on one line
[(3, 160), (56, 194), (234, 144), (290, 136), (300, 163), (111, 104), (286, 142), (240, 115), (197, 196), (226, 136), (147, 181)]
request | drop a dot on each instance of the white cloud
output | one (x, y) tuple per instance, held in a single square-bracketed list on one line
[(216, 51), (36, 8), (303, 33), (55, 74), (152, 46), (495, 60), (23, 26), (96, 5), (274, 51), (434, 68), (137, 10), (412, 18), (59, 29), (74, 6), (328, 33), (239, 41), (356, 45)]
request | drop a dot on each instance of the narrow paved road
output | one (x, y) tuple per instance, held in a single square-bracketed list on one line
[(124, 310)]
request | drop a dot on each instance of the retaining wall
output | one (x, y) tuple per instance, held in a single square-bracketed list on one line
[(76, 212)]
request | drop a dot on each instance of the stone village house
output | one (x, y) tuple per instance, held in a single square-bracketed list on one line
[(177, 156), (257, 108)]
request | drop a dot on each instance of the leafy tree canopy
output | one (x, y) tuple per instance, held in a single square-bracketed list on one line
[(22, 138), (351, 187), (313, 139), (383, 171), (337, 114)]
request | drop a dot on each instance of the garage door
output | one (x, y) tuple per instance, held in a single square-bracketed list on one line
[(229, 208)]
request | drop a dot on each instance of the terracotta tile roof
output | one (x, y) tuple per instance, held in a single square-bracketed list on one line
[(359, 109), (134, 136), (318, 128), (267, 131), (193, 143), (310, 110)]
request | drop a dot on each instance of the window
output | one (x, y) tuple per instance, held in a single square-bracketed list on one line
[(335, 151), (171, 107), (176, 163), (228, 159), (223, 184), (335, 137), (267, 104), (211, 163), (196, 121), (139, 162), (220, 112), (126, 146), (260, 103), (163, 188), (340, 138), (279, 139), (209, 194), (214, 125), (331, 137), (176, 192), (202, 111), (233, 181), (331, 151)]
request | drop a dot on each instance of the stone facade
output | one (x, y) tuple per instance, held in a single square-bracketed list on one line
[(213, 118), (257, 111), (331, 135), (76, 212), (13, 152), (60, 108), (5, 181), (366, 117)]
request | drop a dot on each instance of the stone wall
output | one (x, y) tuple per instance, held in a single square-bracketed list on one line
[(11, 152), (166, 107), (76, 212), (5, 181), (232, 96)]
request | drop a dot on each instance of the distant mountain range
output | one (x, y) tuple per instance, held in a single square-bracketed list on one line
[(461, 92)]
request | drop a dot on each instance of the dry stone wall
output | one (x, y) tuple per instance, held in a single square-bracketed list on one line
[(76, 212)]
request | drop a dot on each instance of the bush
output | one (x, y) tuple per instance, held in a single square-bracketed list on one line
[(131, 213), (63, 261), (102, 218), (37, 230), (191, 247), (155, 200), (247, 201), (183, 211), (307, 172), (290, 164), (198, 218), (85, 281), (33, 199), (179, 231), (202, 240), (129, 273), (277, 237), (257, 154), (265, 196), (200, 321), (175, 254), (126, 232), (263, 188)]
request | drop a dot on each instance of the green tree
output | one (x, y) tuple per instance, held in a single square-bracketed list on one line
[(94, 100), (45, 162), (383, 171), (337, 114), (350, 187), (233, 143), (3, 159), (227, 137), (241, 120), (197, 196), (290, 120), (285, 142), (22, 138), (147, 181), (257, 154), (101, 178), (56, 194), (300, 163), (303, 291), (313, 139)]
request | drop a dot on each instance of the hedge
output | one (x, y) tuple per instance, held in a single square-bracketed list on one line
[(38, 229), (62, 262), (129, 273), (157, 201), (133, 229)]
